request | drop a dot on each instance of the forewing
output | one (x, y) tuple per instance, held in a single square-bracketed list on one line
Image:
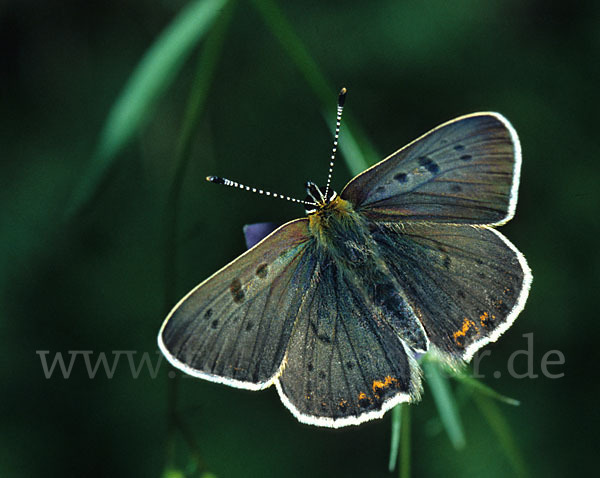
[(467, 284), (235, 326), (464, 171), (344, 364)]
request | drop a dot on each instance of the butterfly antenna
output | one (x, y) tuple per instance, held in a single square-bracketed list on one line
[(234, 184), (338, 122)]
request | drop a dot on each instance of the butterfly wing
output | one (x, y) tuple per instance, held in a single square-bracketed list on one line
[(345, 364), (234, 327), (464, 171), (467, 284)]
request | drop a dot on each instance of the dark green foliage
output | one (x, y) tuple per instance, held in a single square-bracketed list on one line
[(246, 99)]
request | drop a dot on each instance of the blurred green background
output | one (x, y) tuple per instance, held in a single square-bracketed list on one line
[(92, 257)]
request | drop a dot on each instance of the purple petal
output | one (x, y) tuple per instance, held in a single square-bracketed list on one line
[(254, 233)]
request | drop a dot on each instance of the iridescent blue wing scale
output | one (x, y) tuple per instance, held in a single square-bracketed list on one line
[(465, 171), (234, 327)]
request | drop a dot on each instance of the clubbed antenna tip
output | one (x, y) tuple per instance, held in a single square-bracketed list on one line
[(342, 96)]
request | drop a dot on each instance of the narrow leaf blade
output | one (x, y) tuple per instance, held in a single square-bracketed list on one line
[(501, 428), (445, 403), (404, 471), (150, 78), (484, 389), (395, 437), (357, 151)]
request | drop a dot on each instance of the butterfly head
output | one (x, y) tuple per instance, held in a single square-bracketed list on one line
[(318, 197)]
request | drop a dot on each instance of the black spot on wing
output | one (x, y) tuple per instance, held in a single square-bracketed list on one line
[(262, 270), (236, 291), (401, 177), (429, 164), (459, 147), (501, 306), (466, 157)]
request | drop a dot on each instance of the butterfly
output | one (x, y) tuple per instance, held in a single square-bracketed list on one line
[(334, 308)]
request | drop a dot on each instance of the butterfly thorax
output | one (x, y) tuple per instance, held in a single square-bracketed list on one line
[(334, 224), (343, 239)]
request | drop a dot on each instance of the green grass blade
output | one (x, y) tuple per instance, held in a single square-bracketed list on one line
[(484, 389), (404, 471), (359, 143), (151, 77), (281, 28), (207, 62), (395, 437), (356, 148), (445, 403), (500, 426), (356, 161)]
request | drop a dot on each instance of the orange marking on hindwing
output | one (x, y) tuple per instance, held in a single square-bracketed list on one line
[(380, 385), (363, 399), (459, 335)]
